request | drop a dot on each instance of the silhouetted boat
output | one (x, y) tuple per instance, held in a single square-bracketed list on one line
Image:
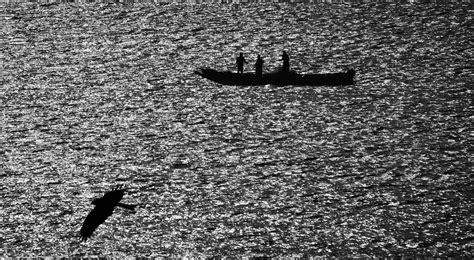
[(278, 78)]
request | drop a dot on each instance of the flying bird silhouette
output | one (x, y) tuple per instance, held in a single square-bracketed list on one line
[(104, 207)]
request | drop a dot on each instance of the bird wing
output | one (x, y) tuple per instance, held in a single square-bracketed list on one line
[(96, 217), (113, 197), (104, 207)]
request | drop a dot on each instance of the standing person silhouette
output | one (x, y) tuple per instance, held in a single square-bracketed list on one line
[(240, 63), (259, 66), (286, 62)]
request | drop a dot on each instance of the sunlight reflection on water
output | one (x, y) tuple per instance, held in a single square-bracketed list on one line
[(108, 96)]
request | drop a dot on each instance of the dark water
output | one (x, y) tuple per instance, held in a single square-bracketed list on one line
[(93, 95)]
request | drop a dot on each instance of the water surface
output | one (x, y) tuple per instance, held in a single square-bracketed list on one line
[(93, 95)]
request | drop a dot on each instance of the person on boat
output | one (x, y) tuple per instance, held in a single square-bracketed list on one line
[(286, 62), (258, 66), (240, 63)]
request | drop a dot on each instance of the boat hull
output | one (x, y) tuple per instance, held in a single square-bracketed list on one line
[(280, 79)]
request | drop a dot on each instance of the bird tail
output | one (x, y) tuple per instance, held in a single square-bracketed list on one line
[(127, 206)]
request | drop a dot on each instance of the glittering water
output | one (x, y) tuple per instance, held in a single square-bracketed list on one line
[(93, 95)]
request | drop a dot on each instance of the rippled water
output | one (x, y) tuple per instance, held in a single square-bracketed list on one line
[(93, 95)]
